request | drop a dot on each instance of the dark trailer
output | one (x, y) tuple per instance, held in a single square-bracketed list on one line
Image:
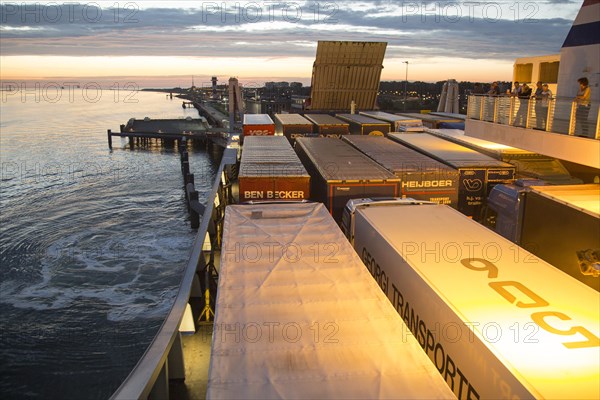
[(478, 172), (292, 126), (326, 125), (271, 170), (398, 123), (421, 177), (362, 125), (433, 121), (339, 173)]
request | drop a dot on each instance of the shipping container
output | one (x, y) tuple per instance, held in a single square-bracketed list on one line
[(497, 321), (361, 125), (339, 172), (258, 125), (478, 172), (399, 123), (421, 177), (561, 224), (327, 126), (461, 117), (292, 126), (432, 121), (271, 170), (528, 164), (298, 316)]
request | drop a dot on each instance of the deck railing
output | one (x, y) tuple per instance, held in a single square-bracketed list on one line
[(558, 115)]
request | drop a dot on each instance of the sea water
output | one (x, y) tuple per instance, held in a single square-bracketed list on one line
[(93, 242)]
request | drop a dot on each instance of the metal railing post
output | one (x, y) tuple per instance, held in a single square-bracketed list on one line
[(481, 108), (572, 118), (511, 111), (548, 127), (495, 110), (528, 117)]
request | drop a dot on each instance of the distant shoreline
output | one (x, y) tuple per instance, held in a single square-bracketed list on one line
[(177, 90)]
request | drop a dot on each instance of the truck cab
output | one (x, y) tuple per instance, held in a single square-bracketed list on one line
[(353, 204)]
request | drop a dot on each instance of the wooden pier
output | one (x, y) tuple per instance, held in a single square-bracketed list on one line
[(218, 136)]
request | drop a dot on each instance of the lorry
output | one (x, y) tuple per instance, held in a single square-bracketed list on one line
[(434, 121), (258, 125), (326, 125), (421, 177), (398, 123), (497, 321), (560, 224), (478, 172), (270, 170), (292, 126), (339, 172), (298, 316), (528, 164), (362, 125)]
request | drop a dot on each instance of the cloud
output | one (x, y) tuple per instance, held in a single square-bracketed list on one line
[(412, 29)]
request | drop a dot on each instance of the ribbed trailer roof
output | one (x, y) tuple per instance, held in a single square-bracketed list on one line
[(430, 117), (292, 119), (462, 117), (447, 152), (338, 161), (266, 142), (270, 156), (383, 116), (361, 119), (496, 150), (257, 119), (294, 324), (324, 119), (393, 156)]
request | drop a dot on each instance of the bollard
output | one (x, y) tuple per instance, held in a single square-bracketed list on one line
[(189, 178), (194, 216), (183, 144), (189, 188)]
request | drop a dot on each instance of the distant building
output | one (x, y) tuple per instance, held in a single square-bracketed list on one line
[(277, 85), (299, 103), (268, 106)]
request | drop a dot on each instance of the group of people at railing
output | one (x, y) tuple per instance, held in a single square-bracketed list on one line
[(542, 99)]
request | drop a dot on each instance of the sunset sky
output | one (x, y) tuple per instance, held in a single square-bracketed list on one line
[(164, 43)]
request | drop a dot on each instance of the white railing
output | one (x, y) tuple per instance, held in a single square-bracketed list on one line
[(558, 115)]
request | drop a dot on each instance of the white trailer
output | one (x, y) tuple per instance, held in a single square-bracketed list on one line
[(497, 321), (298, 316)]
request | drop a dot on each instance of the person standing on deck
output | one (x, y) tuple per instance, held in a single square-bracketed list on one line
[(494, 89), (524, 95), (545, 99), (583, 107), (517, 89), (538, 105)]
